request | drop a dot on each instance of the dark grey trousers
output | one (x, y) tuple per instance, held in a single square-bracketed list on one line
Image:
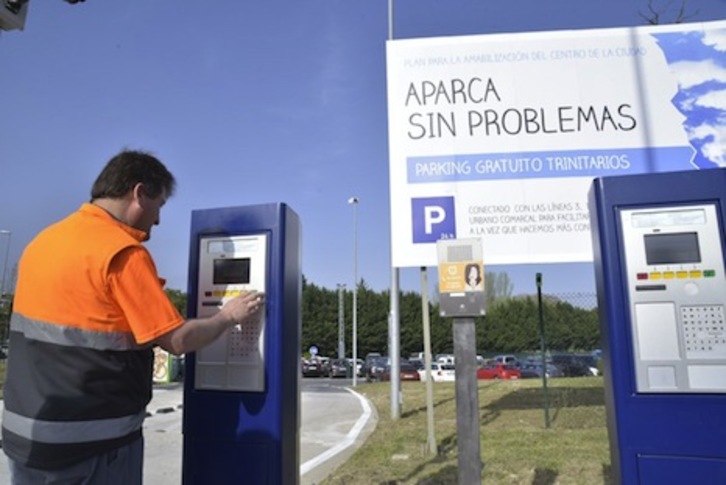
[(123, 466)]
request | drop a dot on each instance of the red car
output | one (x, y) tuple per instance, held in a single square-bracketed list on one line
[(497, 370), (407, 372)]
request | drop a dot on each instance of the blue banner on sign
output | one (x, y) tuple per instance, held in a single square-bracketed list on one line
[(551, 164)]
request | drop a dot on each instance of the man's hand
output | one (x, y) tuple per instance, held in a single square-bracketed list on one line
[(243, 308), (200, 332)]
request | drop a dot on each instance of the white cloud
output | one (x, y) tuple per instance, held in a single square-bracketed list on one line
[(715, 38), (714, 150), (693, 73), (714, 99)]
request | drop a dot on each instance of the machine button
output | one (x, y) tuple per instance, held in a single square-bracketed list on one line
[(709, 273), (668, 275), (695, 273), (656, 275), (681, 274), (642, 276)]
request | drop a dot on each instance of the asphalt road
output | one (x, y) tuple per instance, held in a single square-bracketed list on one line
[(334, 422)]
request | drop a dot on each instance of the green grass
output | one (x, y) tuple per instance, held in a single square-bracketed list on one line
[(516, 446)]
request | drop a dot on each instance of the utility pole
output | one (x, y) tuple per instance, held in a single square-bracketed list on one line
[(354, 202), (341, 323)]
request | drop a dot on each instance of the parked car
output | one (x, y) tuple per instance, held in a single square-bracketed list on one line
[(573, 365), (359, 367), (338, 368), (373, 365), (311, 368), (591, 362), (406, 370), (496, 370), (439, 372), (445, 359), (374, 368), (417, 363), (371, 359), (417, 356), (324, 363), (531, 369), (507, 359)]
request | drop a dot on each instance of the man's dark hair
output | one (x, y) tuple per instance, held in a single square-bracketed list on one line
[(129, 168)]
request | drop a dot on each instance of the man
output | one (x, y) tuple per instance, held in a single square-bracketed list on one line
[(88, 309)]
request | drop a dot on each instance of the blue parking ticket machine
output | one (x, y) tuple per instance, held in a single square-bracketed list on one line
[(658, 242), (241, 393)]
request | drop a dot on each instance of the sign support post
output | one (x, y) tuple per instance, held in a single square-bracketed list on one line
[(461, 289), (467, 401)]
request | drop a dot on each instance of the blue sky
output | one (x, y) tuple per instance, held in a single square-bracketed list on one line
[(246, 102)]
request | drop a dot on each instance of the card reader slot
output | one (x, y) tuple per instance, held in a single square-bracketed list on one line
[(650, 288), (211, 303)]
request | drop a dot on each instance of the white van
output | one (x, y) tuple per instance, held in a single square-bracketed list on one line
[(506, 359), (439, 372), (445, 359)]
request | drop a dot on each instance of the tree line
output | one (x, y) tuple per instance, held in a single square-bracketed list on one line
[(511, 324)]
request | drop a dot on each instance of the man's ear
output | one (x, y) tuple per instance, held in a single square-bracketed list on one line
[(139, 193)]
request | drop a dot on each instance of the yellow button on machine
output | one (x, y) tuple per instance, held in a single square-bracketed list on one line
[(668, 275), (656, 275), (695, 273), (681, 274)]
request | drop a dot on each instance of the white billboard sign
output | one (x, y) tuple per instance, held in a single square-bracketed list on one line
[(500, 136)]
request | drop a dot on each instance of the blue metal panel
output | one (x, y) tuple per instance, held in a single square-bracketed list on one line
[(678, 470), (250, 437), (682, 435)]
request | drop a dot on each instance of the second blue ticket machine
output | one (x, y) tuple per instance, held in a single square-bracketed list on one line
[(658, 243), (242, 392)]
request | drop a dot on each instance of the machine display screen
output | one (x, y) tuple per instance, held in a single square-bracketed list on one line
[(673, 248), (231, 271)]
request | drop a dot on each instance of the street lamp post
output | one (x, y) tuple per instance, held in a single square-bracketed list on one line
[(7, 233), (354, 202), (341, 324)]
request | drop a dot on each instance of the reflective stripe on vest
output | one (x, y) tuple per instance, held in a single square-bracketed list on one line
[(71, 431), (72, 336)]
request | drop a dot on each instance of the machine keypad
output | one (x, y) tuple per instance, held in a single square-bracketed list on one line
[(244, 343), (704, 330)]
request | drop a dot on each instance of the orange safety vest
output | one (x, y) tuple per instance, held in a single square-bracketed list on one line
[(77, 381)]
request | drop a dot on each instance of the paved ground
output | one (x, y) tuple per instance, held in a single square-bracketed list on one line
[(334, 422)]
